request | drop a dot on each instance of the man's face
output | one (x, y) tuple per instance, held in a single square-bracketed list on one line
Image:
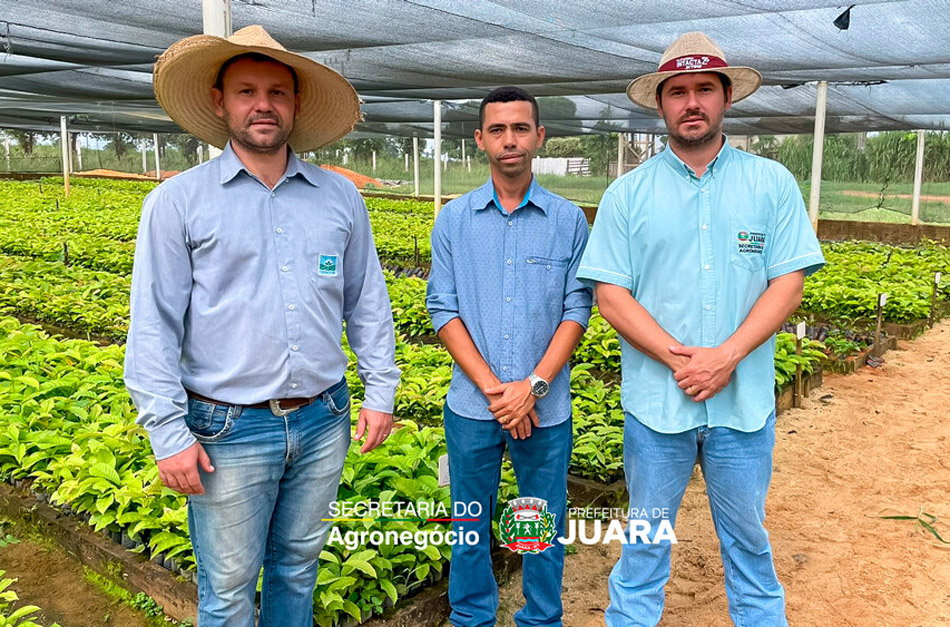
[(692, 105), (509, 137), (258, 103)]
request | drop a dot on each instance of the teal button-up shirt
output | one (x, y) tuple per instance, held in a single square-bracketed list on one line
[(697, 253)]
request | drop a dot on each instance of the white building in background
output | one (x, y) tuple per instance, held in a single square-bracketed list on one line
[(561, 165)]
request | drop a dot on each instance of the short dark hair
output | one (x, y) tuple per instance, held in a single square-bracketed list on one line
[(725, 80), (253, 56), (508, 94)]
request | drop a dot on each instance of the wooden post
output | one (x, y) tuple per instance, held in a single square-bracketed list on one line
[(933, 300), (158, 165), (918, 177), (818, 153), (144, 148), (798, 389), (374, 162), (437, 155), (415, 166), (881, 301), (463, 151), (405, 167), (215, 20), (64, 140), (79, 151)]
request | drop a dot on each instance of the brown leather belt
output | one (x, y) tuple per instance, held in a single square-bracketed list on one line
[(284, 404)]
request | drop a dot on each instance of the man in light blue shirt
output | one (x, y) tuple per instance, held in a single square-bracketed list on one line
[(698, 256), (246, 268), (504, 299)]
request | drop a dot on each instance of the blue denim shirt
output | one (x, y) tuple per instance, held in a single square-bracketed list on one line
[(697, 253), (239, 293), (510, 277)]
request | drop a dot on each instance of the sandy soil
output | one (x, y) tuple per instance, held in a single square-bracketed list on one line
[(871, 444), (53, 581), (861, 194)]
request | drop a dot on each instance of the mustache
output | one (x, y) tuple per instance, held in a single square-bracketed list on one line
[(694, 114), (264, 118)]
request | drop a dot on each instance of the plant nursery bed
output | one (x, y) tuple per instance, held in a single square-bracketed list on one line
[(853, 363), (179, 599), (784, 397), (587, 493), (430, 607)]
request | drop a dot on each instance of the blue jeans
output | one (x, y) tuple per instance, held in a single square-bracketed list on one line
[(540, 462), (274, 478), (737, 467)]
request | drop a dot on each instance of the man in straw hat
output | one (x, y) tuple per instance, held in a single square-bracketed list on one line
[(697, 257), (245, 269)]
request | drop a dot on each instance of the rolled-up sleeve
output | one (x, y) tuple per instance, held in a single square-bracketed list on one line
[(442, 298), (577, 296), (607, 256), (161, 290), (368, 314), (794, 244)]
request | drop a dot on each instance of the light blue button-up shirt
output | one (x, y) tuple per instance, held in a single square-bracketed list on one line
[(697, 253), (510, 277), (239, 293)]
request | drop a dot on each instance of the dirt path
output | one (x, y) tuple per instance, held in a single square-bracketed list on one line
[(53, 581), (880, 445), (861, 194)]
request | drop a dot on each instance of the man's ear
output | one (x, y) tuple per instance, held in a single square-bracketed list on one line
[(728, 103), (478, 139), (217, 99)]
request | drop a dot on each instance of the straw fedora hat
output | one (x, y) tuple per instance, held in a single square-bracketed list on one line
[(693, 52), (185, 73)]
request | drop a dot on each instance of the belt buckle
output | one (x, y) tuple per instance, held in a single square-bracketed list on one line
[(277, 410)]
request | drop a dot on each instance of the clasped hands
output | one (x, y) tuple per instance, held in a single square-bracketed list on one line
[(702, 372), (512, 404)]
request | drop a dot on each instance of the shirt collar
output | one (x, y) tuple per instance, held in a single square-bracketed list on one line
[(231, 165), (484, 196), (685, 171)]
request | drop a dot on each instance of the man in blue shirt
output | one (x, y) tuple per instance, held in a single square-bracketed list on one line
[(504, 300), (245, 269), (698, 256)]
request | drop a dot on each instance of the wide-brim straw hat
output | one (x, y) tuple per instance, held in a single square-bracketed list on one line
[(186, 72), (693, 52)]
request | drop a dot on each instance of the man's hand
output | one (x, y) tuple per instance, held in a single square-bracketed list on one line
[(180, 471), (376, 425), (511, 405), (708, 370)]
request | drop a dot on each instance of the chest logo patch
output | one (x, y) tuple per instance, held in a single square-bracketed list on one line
[(750, 242), (328, 265)]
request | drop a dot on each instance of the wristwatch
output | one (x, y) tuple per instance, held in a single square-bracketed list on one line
[(539, 387)]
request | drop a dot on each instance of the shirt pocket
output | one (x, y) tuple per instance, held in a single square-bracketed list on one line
[(747, 242), (545, 281), (325, 255)]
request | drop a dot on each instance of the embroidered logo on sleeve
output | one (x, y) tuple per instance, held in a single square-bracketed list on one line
[(328, 265), (751, 242)]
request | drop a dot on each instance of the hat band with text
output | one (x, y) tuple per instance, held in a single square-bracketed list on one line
[(693, 62)]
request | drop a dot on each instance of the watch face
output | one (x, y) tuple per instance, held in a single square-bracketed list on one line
[(540, 388)]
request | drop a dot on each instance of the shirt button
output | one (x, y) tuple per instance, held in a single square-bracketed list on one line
[(508, 262), (291, 307), (549, 266), (293, 386), (504, 368), (705, 226), (507, 336), (294, 347), (706, 267), (511, 223), (708, 307), (284, 268), (272, 194), (280, 230), (508, 299)]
